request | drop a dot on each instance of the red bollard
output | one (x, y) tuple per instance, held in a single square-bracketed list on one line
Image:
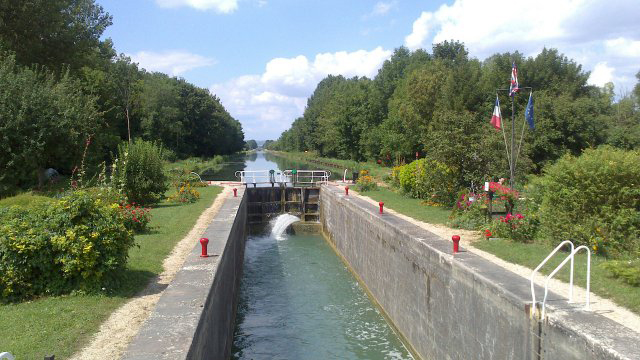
[(381, 206), (456, 242), (204, 242), (235, 192), (346, 190)]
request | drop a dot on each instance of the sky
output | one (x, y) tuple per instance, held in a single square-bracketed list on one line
[(264, 58)]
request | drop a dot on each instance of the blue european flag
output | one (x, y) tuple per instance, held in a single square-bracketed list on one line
[(528, 113)]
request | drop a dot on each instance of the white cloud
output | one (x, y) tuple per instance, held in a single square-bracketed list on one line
[(266, 104), (221, 6), (601, 74), (597, 34), (421, 29), (380, 8), (170, 62), (623, 47)]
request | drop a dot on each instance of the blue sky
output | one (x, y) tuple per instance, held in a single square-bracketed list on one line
[(263, 58)]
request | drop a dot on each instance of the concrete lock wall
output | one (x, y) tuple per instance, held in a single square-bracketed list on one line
[(194, 318), (458, 307)]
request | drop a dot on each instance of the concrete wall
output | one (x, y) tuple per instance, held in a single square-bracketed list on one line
[(458, 307), (194, 318)]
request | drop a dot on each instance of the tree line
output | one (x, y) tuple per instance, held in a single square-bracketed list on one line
[(438, 105), (62, 89)]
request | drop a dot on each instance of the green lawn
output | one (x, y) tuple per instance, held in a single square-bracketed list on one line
[(408, 206), (530, 255), (62, 325)]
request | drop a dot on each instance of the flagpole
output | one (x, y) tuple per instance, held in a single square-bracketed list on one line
[(512, 180)]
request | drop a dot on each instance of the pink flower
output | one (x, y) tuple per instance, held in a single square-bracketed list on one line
[(519, 216)]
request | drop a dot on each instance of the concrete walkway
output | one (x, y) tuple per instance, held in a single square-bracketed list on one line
[(599, 305)]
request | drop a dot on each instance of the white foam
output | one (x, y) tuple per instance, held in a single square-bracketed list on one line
[(280, 224)]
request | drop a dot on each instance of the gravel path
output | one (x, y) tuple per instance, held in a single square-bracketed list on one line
[(599, 305), (122, 326)]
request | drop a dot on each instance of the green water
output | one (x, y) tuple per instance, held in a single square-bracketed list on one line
[(299, 301)]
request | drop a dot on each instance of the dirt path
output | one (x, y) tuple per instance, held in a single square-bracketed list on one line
[(121, 327), (599, 305)]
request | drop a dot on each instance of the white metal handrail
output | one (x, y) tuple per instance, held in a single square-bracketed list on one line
[(569, 257), (6, 355), (309, 177), (196, 174), (261, 177), (533, 274)]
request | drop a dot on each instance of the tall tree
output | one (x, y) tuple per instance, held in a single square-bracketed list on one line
[(45, 123), (52, 32)]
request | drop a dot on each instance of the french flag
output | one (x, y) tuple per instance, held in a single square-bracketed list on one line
[(496, 118), (514, 88)]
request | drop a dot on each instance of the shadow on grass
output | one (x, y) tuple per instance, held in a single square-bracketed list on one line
[(166, 205), (137, 282)]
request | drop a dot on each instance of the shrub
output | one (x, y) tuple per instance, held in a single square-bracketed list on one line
[(77, 243), (516, 227), (136, 218), (627, 270), (593, 200), (428, 179), (470, 211), (138, 172), (365, 182), (185, 192)]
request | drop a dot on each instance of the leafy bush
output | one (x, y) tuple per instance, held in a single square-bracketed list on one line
[(138, 172), (427, 179), (76, 243), (365, 182), (516, 227), (629, 270), (470, 211), (136, 217), (185, 192), (593, 200)]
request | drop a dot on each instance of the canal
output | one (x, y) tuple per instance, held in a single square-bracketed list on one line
[(299, 301)]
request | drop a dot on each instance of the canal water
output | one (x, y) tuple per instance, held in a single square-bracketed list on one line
[(299, 301)]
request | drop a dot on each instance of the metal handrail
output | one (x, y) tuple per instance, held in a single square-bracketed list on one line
[(533, 273), (261, 177), (196, 174), (571, 256), (6, 356), (310, 177)]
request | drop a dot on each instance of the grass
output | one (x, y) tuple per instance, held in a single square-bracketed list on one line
[(410, 207), (602, 283), (64, 324)]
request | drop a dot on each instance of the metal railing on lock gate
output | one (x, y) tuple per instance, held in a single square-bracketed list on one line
[(308, 177)]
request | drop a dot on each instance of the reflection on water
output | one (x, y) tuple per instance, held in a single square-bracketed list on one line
[(298, 301)]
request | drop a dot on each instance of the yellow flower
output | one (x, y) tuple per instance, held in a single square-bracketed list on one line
[(595, 248)]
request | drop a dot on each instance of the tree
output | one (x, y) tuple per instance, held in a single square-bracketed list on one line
[(251, 144), (52, 32), (45, 123)]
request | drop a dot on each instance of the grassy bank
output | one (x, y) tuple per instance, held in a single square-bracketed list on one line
[(64, 324), (410, 207)]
